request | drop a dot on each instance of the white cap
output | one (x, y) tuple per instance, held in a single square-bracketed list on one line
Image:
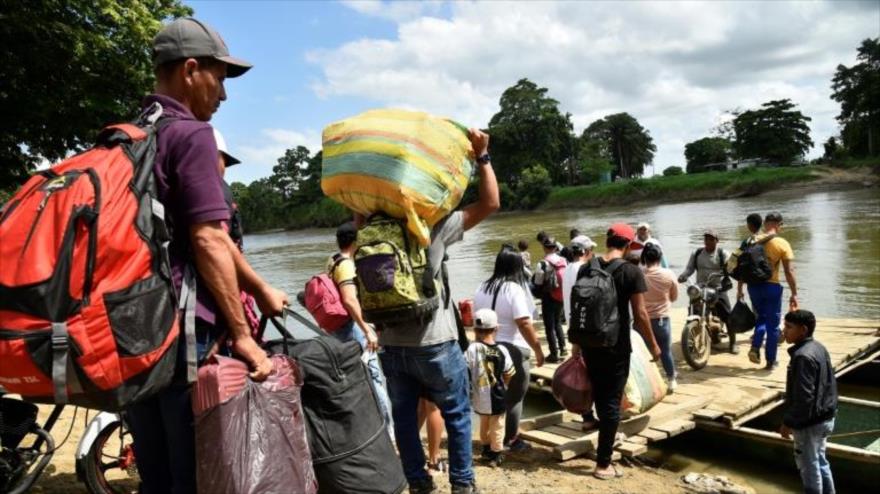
[(585, 241), (643, 225), (485, 319), (221, 146)]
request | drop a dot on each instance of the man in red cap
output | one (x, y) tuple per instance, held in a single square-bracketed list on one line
[(607, 358)]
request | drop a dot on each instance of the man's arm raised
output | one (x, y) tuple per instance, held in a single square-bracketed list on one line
[(489, 200)]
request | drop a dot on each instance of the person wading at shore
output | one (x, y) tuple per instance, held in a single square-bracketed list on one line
[(506, 294), (191, 62), (810, 402), (766, 296), (608, 362), (425, 359)]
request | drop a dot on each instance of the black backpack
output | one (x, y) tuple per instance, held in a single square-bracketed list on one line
[(752, 265), (351, 450), (595, 321)]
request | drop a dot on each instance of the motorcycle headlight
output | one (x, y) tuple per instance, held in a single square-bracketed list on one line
[(693, 292), (711, 294)]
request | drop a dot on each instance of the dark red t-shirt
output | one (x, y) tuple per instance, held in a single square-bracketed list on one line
[(189, 186)]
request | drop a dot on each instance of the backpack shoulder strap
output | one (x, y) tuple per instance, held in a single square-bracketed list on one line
[(615, 265)]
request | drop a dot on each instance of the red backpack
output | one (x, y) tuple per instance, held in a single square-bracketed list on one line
[(88, 313), (324, 302)]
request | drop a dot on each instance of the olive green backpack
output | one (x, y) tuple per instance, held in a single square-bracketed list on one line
[(394, 275)]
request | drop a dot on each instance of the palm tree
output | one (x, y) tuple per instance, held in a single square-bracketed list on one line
[(628, 143)]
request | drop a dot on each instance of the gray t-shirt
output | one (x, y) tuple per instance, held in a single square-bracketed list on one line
[(706, 264), (442, 327)]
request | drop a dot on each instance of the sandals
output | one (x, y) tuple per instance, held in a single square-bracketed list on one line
[(608, 476)]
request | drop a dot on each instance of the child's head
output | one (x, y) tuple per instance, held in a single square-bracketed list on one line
[(523, 245), (485, 323)]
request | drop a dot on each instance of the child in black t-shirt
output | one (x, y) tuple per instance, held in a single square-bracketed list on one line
[(491, 368)]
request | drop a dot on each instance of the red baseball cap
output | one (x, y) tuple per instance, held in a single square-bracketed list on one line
[(622, 230)]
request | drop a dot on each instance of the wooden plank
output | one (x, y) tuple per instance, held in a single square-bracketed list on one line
[(576, 448), (630, 450), (708, 414), (564, 432), (653, 435), (674, 427), (540, 421), (545, 438), (637, 439)]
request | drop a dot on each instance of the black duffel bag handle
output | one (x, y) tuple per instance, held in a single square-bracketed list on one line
[(281, 325)]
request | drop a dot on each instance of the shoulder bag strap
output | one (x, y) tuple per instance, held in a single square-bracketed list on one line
[(495, 296)]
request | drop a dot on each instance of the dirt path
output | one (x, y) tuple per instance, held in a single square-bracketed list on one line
[(530, 472)]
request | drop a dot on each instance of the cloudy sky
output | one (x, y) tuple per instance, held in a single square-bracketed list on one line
[(676, 66)]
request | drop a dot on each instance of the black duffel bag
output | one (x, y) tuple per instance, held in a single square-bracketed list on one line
[(351, 449), (741, 318)]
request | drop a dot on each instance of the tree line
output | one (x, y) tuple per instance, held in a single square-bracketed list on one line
[(50, 113)]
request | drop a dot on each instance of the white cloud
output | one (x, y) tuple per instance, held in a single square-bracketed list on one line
[(394, 11), (258, 159), (675, 66)]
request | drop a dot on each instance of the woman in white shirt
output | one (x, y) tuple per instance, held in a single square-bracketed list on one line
[(506, 294)]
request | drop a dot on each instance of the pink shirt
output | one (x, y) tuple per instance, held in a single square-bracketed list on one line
[(662, 291)]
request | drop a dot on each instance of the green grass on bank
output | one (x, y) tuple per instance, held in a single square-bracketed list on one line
[(710, 185)]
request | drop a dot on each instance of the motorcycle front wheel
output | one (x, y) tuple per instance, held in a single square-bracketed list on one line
[(695, 344), (109, 466)]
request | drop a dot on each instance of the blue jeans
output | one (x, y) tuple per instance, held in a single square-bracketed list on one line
[(439, 373), (351, 332), (809, 455), (663, 334), (767, 304)]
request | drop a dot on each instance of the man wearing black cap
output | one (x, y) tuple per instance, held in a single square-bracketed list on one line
[(191, 63)]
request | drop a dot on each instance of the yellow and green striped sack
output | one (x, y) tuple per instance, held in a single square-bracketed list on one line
[(409, 165)]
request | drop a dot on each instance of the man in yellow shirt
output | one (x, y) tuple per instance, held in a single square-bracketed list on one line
[(767, 296), (341, 269)]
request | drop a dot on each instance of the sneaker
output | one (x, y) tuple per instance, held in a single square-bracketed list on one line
[(496, 460), (755, 355), (564, 352), (518, 445), (673, 383), (552, 359), (464, 489), (425, 486), (771, 365)]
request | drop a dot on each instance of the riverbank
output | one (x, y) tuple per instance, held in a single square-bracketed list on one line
[(709, 186)]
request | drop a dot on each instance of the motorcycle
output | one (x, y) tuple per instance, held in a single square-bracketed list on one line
[(702, 328), (104, 454)]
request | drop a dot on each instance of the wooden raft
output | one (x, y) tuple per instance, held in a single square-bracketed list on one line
[(729, 391)]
